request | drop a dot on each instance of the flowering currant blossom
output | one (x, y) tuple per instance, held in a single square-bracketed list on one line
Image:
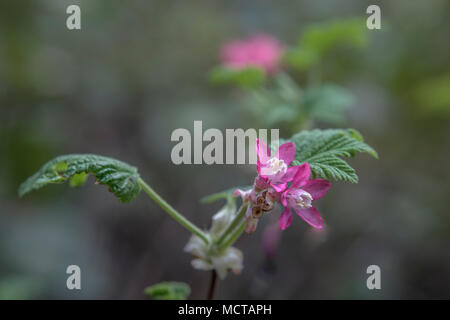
[(271, 186), (205, 258), (272, 179), (299, 197), (274, 170), (261, 51)]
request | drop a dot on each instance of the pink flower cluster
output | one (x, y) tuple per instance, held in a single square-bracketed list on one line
[(261, 51), (289, 186)]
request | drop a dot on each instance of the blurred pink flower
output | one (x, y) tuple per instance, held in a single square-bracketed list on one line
[(261, 51), (271, 240)]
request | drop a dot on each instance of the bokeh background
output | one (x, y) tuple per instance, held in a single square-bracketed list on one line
[(138, 70)]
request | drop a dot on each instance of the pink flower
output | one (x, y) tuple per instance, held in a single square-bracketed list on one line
[(261, 51), (299, 197), (275, 170), (272, 179), (271, 186)]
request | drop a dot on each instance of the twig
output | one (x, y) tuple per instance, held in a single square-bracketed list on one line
[(212, 285)]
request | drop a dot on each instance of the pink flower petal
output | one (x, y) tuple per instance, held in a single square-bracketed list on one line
[(302, 176), (280, 187), (317, 188), (286, 152), (283, 198), (290, 174), (311, 216), (261, 182), (285, 219), (263, 152)]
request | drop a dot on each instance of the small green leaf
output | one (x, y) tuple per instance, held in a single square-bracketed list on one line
[(121, 178), (169, 291), (249, 77), (323, 150)]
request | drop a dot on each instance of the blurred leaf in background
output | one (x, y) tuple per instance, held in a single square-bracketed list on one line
[(286, 104), (318, 40), (327, 103), (169, 291), (20, 288), (432, 96), (244, 78), (277, 104)]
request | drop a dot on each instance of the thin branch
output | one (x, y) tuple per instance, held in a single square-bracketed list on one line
[(172, 212), (212, 285)]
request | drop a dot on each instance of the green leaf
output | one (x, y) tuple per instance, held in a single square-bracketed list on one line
[(301, 58), (249, 77), (327, 103), (321, 38), (169, 291), (121, 178), (280, 103), (323, 150)]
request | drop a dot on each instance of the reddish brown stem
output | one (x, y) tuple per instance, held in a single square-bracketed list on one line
[(212, 285)]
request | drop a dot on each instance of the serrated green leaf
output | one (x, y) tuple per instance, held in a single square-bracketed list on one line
[(323, 150), (334, 169), (249, 77), (121, 178), (169, 291)]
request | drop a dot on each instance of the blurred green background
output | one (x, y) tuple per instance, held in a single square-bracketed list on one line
[(138, 70)]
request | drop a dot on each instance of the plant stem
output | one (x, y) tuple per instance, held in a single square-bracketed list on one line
[(212, 285), (234, 236), (172, 212), (234, 223)]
